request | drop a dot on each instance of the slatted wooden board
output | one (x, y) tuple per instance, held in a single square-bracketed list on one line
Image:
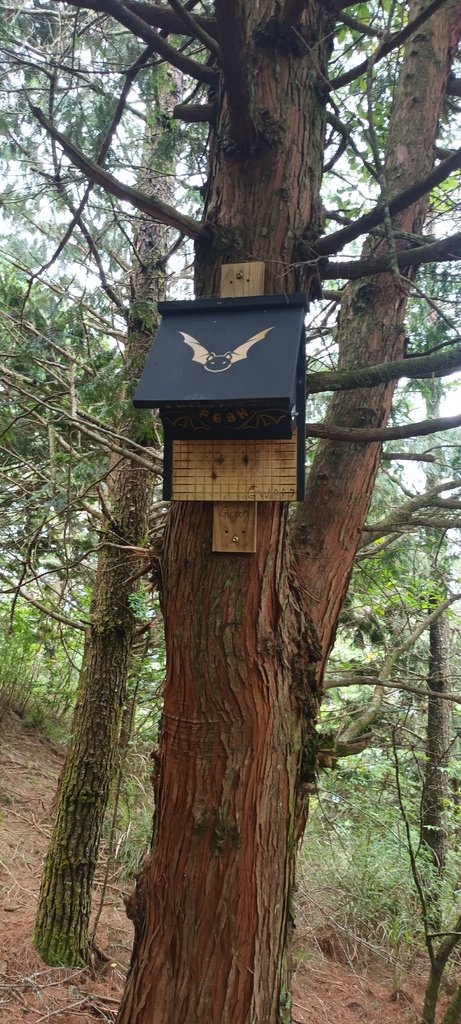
[(234, 470)]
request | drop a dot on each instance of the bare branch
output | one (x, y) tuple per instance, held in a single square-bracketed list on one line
[(78, 211), (341, 682), (436, 252), (128, 17), (338, 239), (407, 457), (439, 364), (155, 208), (194, 27), (363, 722), (194, 112), (21, 384), (402, 515), (63, 619), (367, 435), (390, 43)]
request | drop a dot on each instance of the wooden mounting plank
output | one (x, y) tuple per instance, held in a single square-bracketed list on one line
[(234, 527), (237, 279)]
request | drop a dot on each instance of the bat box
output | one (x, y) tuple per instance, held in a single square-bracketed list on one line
[(228, 376)]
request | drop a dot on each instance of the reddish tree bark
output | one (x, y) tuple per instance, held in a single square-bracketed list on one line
[(244, 676), (216, 888)]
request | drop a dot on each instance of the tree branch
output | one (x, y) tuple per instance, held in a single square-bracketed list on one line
[(415, 368), (155, 208), (402, 515), (334, 684), (335, 122), (453, 86), (77, 212), (152, 14), (390, 43), (128, 16), (367, 435), (63, 619), (194, 112), (366, 719), (436, 252), (194, 28), (358, 26), (338, 239), (163, 17), (21, 384), (425, 521), (407, 457)]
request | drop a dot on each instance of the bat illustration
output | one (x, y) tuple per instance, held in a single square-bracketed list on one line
[(215, 362)]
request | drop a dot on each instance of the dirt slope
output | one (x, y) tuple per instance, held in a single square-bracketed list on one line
[(325, 991)]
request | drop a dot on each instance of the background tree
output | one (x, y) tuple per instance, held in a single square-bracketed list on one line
[(61, 932)]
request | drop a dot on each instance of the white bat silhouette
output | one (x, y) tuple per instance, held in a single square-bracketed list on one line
[(217, 362)]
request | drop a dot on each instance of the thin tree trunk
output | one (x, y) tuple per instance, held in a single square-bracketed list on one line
[(61, 928), (436, 788), (452, 1014), (371, 330), (439, 720), (438, 965)]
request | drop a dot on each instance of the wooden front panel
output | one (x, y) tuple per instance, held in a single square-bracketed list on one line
[(234, 470)]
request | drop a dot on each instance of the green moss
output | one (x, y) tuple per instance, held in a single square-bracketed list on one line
[(285, 1004), (144, 315), (220, 833), (58, 949), (224, 835)]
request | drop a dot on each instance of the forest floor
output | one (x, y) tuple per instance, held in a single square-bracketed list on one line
[(326, 990)]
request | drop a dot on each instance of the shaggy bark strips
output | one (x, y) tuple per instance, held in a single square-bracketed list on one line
[(238, 745)]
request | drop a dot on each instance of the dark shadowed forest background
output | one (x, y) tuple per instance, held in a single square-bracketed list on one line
[(249, 763)]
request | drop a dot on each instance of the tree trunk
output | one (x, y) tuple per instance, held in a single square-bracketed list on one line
[(436, 788), (439, 962), (213, 910), (439, 717), (216, 888), (370, 331), (61, 928), (224, 831), (452, 1014)]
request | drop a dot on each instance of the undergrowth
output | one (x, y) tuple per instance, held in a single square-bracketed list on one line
[(356, 893), (134, 814)]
